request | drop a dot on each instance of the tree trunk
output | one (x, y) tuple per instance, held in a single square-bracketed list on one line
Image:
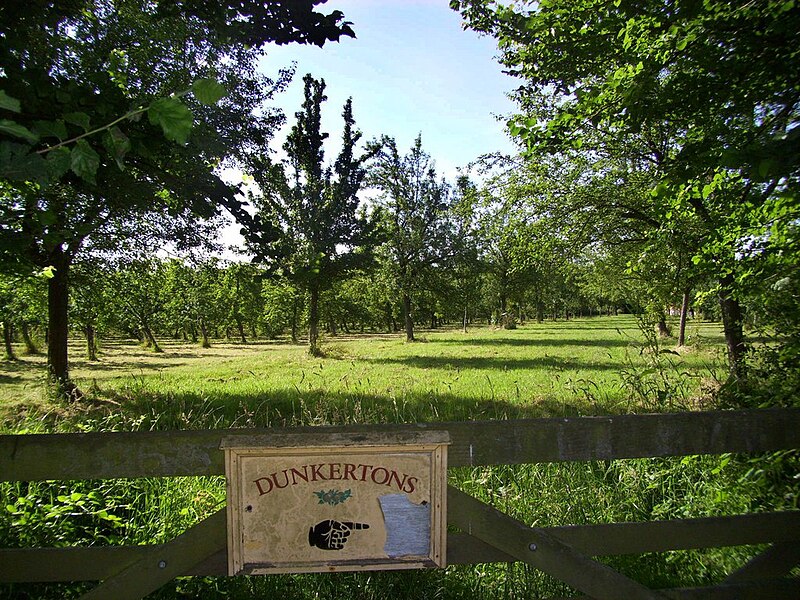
[(57, 324), (503, 319), (407, 317), (662, 327), (313, 322), (151, 339), (204, 332), (391, 322), (732, 320), (464, 321), (240, 325), (91, 343), (7, 341), (684, 314), (294, 320), (30, 347)]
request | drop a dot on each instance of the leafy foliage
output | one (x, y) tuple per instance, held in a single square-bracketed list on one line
[(413, 209), (79, 163), (308, 225), (701, 96)]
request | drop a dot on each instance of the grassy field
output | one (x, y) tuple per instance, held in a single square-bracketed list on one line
[(578, 367), (583, 366)]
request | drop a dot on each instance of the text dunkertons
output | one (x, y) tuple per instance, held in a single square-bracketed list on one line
[(336, 472)]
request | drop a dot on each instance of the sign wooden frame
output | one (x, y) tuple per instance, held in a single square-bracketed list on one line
[(336, 502)]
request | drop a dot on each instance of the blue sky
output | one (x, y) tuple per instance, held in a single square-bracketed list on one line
[(412, 69)]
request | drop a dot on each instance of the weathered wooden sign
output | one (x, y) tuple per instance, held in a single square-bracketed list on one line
[(300, 503)]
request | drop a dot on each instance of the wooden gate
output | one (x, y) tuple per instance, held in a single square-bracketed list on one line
[(487, 534)]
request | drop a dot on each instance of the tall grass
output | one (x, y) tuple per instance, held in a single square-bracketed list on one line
[(568, 368)]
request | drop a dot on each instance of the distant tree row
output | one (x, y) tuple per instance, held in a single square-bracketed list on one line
[(486, 263)]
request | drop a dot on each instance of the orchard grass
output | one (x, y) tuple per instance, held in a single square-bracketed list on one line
[(565, 368)]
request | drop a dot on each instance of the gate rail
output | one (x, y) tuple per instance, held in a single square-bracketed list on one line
[(135, 571)]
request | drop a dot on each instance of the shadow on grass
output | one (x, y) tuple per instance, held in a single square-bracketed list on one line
[(584, 326), (147, 408), (169, 344), (509, 341), (20, 365), (503, 364), (148, 361), (144, 365)]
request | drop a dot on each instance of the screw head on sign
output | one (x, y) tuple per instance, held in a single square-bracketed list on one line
[(162, 564), (532, 548)]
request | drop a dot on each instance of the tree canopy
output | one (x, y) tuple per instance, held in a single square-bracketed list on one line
[(308, 224), (77, 154), (703, 95)]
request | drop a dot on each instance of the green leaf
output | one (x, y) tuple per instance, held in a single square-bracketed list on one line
[(9, 103), (17, 130), (55, 129), (117, 144), (208, 91), (80, 119), (59, 162), (660, 190), (17, 162), (47, 218), (173, 117), (84, 161), (765, 166), (49, 272)]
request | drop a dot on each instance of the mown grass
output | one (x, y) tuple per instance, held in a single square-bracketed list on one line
[(585, 366)]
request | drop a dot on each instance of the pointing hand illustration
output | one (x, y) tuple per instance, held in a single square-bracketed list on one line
[(332, 535)]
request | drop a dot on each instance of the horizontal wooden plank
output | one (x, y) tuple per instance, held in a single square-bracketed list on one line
[(96, 563), (609, 539), (773, 589), (67, 564), (476, 443), (685, 534), (336, 440)]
